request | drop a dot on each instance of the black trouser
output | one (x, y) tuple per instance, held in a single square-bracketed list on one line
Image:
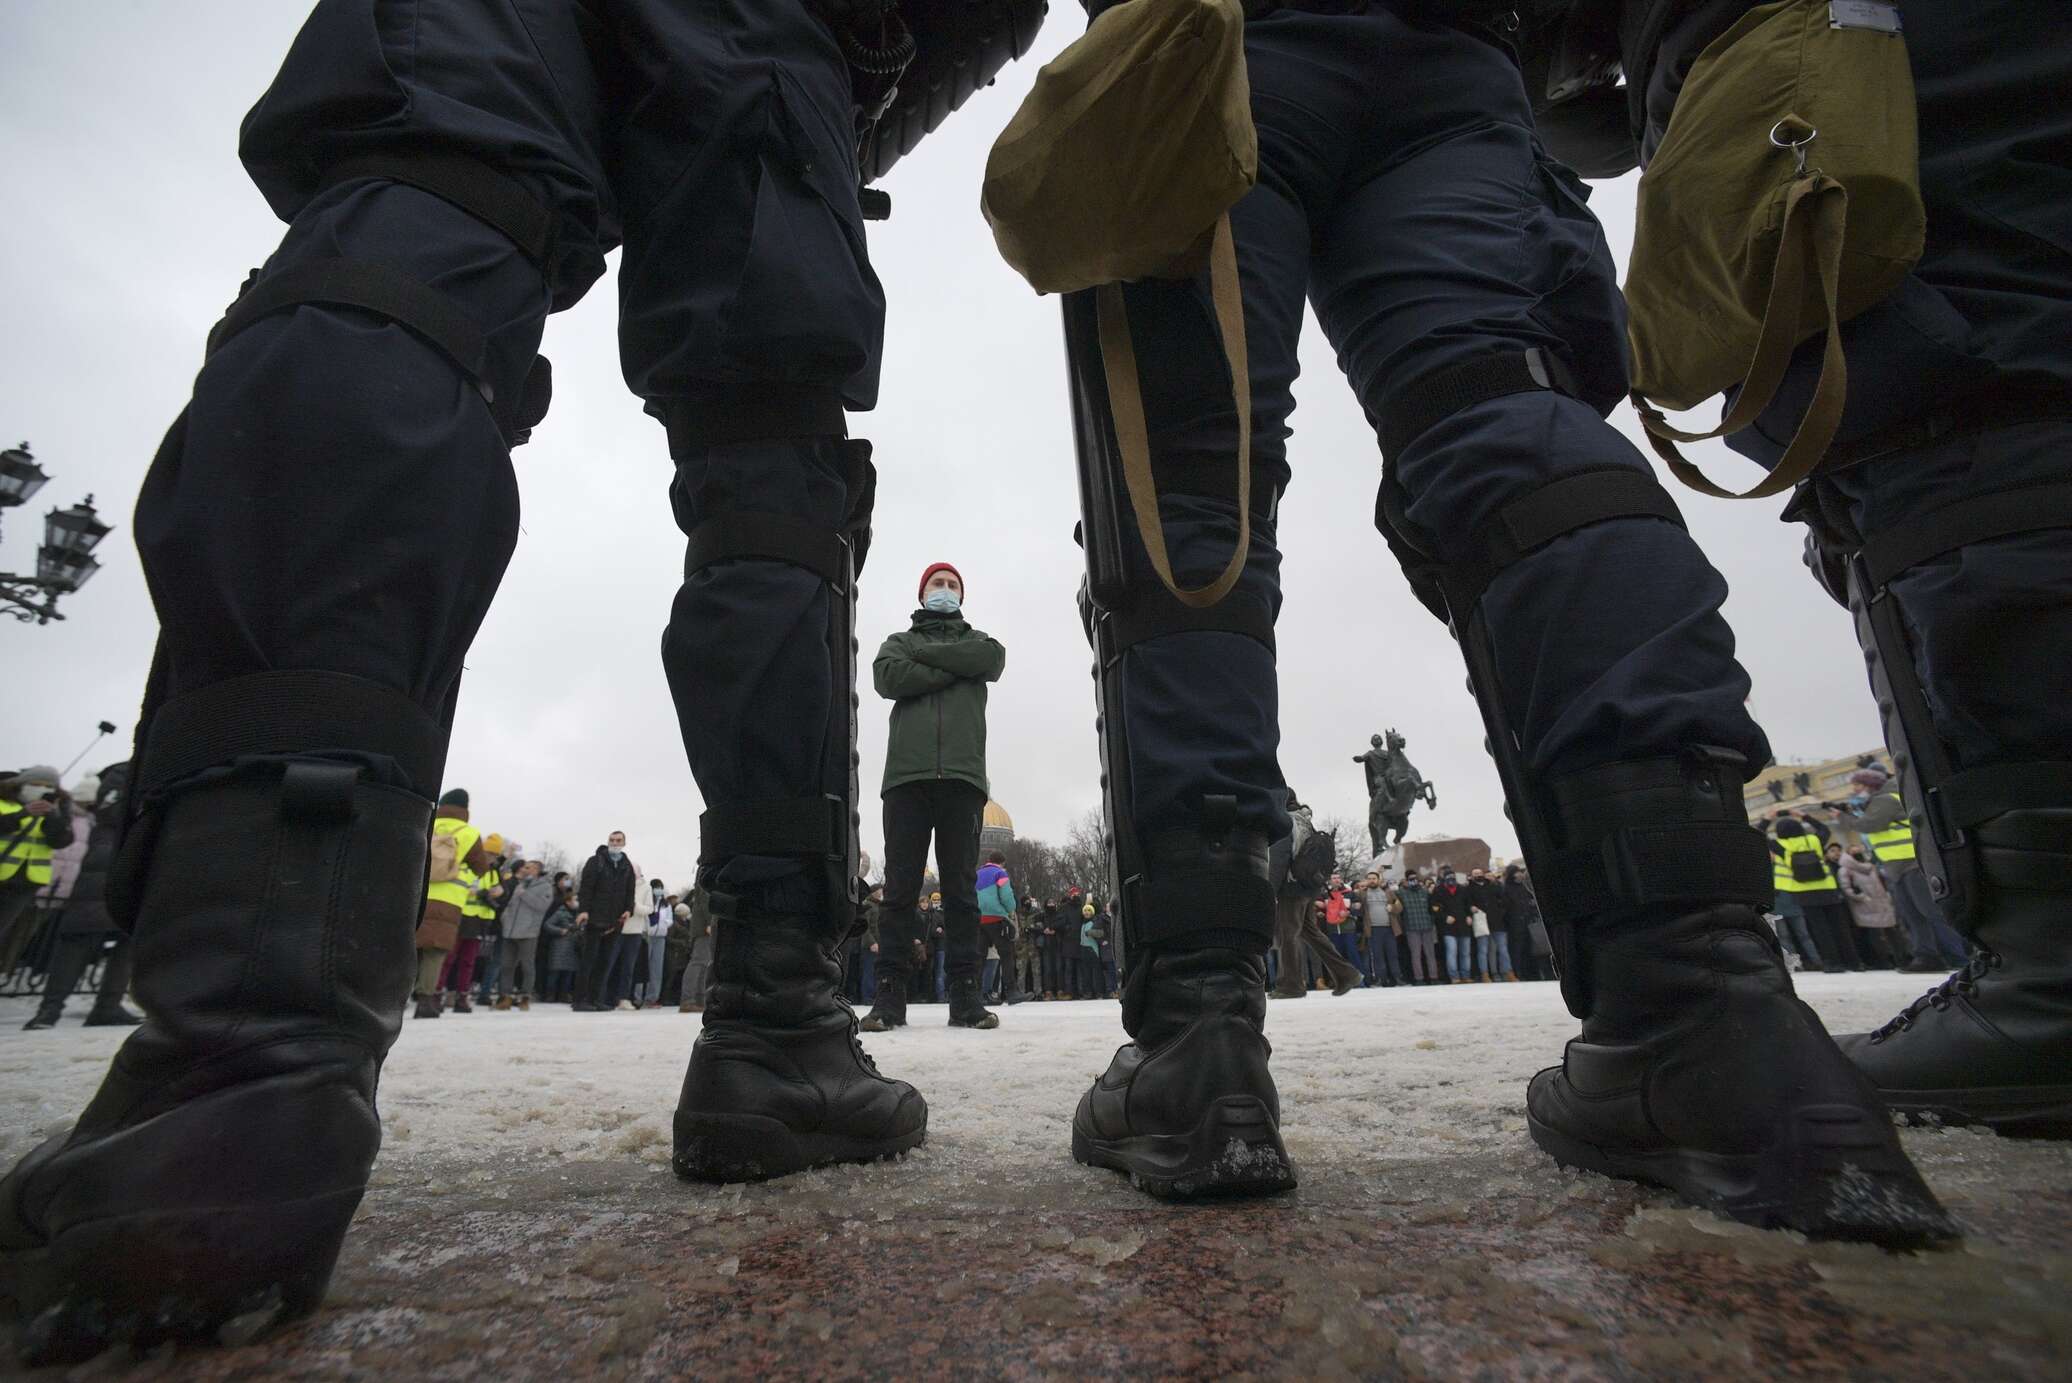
[(74, 953), (950, 810), (994, 935), (1832, 931), (1057, 963)]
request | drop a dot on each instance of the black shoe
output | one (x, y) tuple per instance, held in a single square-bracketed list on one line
[(1992, 1044), (888, 1008), (778, 1082), (205, 1191), (46, 1016), (1188, 1108), (111, 1016), (1700, 1070), (427, 1007), (966, 1011)]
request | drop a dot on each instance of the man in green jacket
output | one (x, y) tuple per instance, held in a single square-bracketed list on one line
[(935, 674)]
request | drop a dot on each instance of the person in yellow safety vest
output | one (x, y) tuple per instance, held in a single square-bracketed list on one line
[(477, 916), (460, 846), (1800, 867), (35, 820), (1889, 836)]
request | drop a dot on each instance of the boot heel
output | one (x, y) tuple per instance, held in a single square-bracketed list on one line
[(222, 1275), (1235, 1150)]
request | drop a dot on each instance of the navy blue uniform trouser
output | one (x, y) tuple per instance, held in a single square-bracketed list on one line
[(1403, 195), (337, 496)]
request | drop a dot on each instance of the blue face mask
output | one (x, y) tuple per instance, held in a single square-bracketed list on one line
[(943, 602), (615, 852)]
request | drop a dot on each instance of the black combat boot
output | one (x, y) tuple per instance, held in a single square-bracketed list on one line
[(1188, 1107), (778, 1082), (1992, 1044), (888, 1007), (1698, 1068), (966, 1009), (204, 1193)]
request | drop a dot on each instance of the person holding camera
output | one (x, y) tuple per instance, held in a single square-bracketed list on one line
[(35, 823)]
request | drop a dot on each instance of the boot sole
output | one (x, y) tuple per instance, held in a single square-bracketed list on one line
[(224, 1275), (1834, 1175), (2012, 1111), (728, 1148), (1235, 1150)]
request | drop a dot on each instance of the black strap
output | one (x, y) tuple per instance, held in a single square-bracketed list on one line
[(1689, 864), (761, 413), (286, 713), (1974, 520), (1156, 615), (813, 826), (372, 287), (1556, 508), (1980, 794), (1412, 409), (2001, 404), (772, 537), (473, 186), (319, 794)]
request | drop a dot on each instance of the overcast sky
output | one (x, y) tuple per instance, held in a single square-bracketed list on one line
[(129, 225)]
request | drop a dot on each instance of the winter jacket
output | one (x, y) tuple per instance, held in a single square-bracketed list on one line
[(1869, 902), (1377, 909), (529, 901), (607, 889), (1416, 903), (86, 906), (935, 674), (1488, 895), (1450, 905), (559, 927), (995, 894)]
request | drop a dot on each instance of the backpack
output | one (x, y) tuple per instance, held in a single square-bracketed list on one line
[(1808, 867), (1312, 865), (445, 859)]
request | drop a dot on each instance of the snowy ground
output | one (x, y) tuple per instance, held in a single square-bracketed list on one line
[(523, 1221)]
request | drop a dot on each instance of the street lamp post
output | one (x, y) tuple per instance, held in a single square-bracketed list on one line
[(65, 562)]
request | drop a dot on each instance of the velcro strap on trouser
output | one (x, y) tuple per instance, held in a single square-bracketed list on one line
[(1976, 519), (1553, 510), (1684, 864), (440, 320), (1414, 407), (282, 714), (1212, 884), (1155, 614), (470, 184)]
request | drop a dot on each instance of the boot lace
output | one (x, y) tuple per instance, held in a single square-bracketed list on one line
[(1964, 983)]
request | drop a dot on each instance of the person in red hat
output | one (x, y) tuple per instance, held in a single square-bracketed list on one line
[(935, 674)]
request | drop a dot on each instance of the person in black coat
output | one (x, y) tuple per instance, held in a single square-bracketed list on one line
[(85, 926)]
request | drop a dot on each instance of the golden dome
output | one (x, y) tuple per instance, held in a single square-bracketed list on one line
[(996, 815)]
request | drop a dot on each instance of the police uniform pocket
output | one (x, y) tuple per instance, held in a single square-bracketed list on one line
[(1579, 302), (807, 307)]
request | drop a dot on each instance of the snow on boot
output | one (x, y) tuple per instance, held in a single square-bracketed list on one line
[(205, 1191), (778, 1082), (966, 1010), (1992, 1044), (1700, 1070), (1187, 1108), (888, 1009)]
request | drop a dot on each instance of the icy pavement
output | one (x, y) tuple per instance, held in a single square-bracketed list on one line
[(523, 1223)]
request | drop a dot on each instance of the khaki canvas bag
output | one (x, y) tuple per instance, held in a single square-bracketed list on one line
[(1122, 164), (1785, 199)]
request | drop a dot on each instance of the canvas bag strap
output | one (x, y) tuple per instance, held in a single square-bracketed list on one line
[(1126, 404), (1816, 213)]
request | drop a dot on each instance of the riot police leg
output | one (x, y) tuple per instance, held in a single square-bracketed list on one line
[(1188, 1107), (1949, 604), (1649, 879), (322, 531)]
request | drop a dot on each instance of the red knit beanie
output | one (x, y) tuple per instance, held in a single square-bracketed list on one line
[(933, 568)]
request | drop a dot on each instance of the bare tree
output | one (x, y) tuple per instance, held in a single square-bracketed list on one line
[(1082, 862), (553, 858), (1350, 844), (1033, 866)]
